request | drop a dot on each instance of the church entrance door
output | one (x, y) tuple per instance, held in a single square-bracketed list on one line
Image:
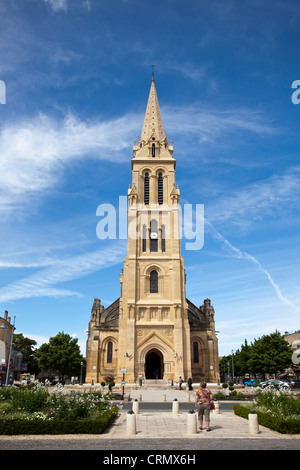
[(154, 365)]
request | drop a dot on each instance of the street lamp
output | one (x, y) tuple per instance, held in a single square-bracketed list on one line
[(81, 364)]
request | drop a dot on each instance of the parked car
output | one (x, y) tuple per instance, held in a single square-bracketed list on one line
[(249, 383), (275, 383)]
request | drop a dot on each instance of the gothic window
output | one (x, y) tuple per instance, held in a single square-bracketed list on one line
[(153, 282), (163, 238), (196, 352), (109, 352), (144, 237), (146, 189), (153, 236), (153, 150), (160, 189)]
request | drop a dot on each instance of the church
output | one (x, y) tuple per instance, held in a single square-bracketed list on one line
[(152, 331)]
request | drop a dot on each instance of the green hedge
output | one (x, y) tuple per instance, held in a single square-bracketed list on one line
[(80, 426), (282, 425)]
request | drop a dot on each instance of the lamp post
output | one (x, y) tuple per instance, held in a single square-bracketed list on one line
[(81, 364), (232, 365)]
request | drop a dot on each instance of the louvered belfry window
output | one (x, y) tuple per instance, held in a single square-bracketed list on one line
[(144, 237), (163, 238), (153, 236), (160, 189), (146, 189)]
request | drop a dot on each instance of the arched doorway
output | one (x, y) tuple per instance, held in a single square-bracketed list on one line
[(154, 365)]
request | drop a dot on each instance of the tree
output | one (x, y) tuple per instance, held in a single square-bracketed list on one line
[(27, 347), (270, 354), (241, 359), (61, 355)]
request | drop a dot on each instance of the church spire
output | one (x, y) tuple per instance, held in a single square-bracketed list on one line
[(153, 125)]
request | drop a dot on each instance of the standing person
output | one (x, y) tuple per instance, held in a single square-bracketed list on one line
[(190, 383), (202, 402), (180, 383)]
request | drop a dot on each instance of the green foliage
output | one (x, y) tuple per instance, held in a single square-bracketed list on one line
[(82, 426), (29, 400), (27, 347), (276, 410), (268, 354), (61, 354), (32, 411)]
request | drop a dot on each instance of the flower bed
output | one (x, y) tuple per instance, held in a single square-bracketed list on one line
[(34, 411), (275, 409)]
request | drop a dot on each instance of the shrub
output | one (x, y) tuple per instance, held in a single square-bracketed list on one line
[(32, 411), (29, 399), (276, 410), (82, 426)]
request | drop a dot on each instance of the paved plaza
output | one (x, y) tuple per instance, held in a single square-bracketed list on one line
[(157, 429)]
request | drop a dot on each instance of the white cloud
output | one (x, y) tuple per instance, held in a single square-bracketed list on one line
[(41, 283), (57, 5), (35, 152), (277, 195), (210, 124), (237, 253)]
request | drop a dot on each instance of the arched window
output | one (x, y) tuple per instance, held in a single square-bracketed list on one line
[(153, 282), (196, 352), (146, 189), (163, 238), (109, 352), (160, 189), (153, 150), (153, 236), (144, 237)]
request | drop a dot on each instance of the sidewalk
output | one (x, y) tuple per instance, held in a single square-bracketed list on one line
[(167, 425), (162, 430)]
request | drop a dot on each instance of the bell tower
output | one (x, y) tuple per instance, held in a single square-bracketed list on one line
[(153, 311), (152, 330)]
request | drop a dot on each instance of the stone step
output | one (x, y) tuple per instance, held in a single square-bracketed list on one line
[(153, 383)]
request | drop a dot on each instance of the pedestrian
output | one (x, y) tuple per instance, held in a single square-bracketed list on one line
[(180, 383), (190, 383), (202, 402)]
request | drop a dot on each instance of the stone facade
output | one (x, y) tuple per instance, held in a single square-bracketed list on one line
[(152, 330)]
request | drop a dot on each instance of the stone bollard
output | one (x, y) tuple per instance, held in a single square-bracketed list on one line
[(135, 407), (188, 398), (131, 423), (175, 407), (217, 409), (191, 422), (163, 398), (253, 423)]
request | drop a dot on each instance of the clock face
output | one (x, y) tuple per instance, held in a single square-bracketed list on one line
[(153, 235)]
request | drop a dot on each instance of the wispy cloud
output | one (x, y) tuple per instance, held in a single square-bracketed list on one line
[(35, 152), (277, 195), (57, 5), (237, 253), (48, 282), (210, 124)]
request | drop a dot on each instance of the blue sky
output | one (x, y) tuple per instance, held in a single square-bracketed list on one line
[(77, 76)]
